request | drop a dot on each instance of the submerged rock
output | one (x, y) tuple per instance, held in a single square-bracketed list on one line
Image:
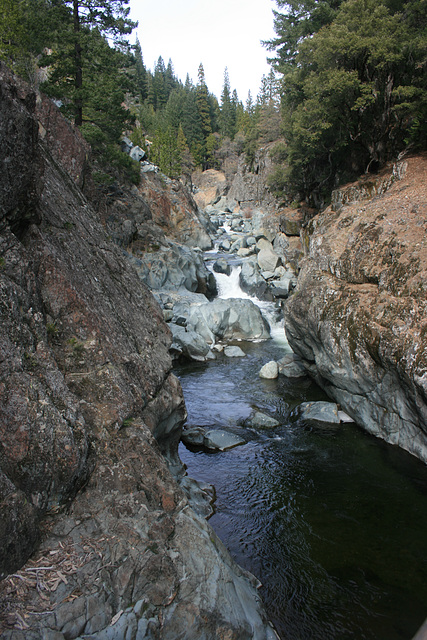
[(220, 440), (261, 420)]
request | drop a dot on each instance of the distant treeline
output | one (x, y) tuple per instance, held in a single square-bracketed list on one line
[(346, 93), (353, 88), (78, 52)]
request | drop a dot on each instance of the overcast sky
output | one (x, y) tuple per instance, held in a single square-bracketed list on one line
[(216, 33)]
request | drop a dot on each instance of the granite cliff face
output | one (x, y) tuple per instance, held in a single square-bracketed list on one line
[(359, 314), (89, 414)]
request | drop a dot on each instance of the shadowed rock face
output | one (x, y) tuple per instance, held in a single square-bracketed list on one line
[(89, 413), (359, 313), (83, 344)]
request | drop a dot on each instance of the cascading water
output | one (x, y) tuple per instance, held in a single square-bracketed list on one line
[(229, 287), (332, 521)]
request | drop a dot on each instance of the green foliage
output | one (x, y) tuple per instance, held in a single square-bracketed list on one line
[(141, 80), (278, 181), (26, 27), (79, 52), (202, 103), (228, 110), (354, 91), (298, 21), (165, 152)]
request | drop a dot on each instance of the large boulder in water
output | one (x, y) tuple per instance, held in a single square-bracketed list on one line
[(231, 319), (188, 343), (251, 279), (222, 266), (173, 267)]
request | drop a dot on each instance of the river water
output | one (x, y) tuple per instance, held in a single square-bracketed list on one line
[(333, 522)]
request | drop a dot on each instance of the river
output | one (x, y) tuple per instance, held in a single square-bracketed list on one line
[(332, 521)]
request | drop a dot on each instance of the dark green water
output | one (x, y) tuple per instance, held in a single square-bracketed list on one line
[(333, 522)]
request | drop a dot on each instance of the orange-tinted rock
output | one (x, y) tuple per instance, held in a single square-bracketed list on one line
[(359, 312)]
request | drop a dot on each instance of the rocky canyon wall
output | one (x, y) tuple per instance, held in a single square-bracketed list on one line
[(89, 406), (359, 313)]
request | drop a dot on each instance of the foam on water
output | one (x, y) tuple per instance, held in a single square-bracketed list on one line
[(229, 287)]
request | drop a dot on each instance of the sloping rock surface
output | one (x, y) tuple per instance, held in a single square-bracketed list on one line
[(359, 314), (210, 186), (174, 210), (89, 414)]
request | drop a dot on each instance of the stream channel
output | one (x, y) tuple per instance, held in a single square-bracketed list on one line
[(332, 521)]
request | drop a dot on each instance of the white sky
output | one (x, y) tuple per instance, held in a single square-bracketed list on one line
[(216, 33)]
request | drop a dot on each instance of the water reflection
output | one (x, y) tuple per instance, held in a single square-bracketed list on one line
[(333, 523)]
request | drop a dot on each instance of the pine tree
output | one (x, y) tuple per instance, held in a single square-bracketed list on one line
[(140, 72), (170, 80), (72, 51), (354, 92), (26, 27), (187, 164), (165, 151), (159, 84), (299, 20), (202, 103), (192, 126), (227, 117)]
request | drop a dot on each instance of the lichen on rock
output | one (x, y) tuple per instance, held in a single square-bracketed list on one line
[(359, 312)]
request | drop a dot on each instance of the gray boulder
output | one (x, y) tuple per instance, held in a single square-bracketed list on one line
[(188, 343), (231, 319), (244, 252), (320, 413), (251, 279), (269, 371), (220, 440), (225, 245), (268, 259), (281, 245), (281, 288), (234, 352), (138, 154), (126, 145), (193, 436), (291, 366), (222, 266), (261, 420), (173, 267)]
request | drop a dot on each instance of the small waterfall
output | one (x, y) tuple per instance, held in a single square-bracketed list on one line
[(229, 287)]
